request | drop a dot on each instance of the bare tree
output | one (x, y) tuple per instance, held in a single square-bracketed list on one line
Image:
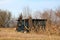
[(4, 17), (26, 12), (58, 16)]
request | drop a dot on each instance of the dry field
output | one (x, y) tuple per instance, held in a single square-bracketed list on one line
[(12, 34)]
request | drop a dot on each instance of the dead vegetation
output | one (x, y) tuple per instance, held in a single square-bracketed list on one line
[(52, 31), (12, 34), (52, 23)]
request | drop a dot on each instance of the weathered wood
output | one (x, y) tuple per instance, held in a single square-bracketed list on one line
[(24, 24)]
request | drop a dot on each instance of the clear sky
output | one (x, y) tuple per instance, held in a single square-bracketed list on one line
[(16, 6)]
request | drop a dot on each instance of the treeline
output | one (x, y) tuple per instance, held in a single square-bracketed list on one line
[(52, 16)]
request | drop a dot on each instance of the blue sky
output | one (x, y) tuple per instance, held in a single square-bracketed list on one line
[(16, 6)]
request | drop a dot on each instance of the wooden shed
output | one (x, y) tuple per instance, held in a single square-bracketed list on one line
[(23, 24)]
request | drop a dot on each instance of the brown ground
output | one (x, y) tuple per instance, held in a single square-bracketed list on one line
[(12, 34)]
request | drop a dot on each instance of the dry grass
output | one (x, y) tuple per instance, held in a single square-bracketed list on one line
[(11, 34)]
